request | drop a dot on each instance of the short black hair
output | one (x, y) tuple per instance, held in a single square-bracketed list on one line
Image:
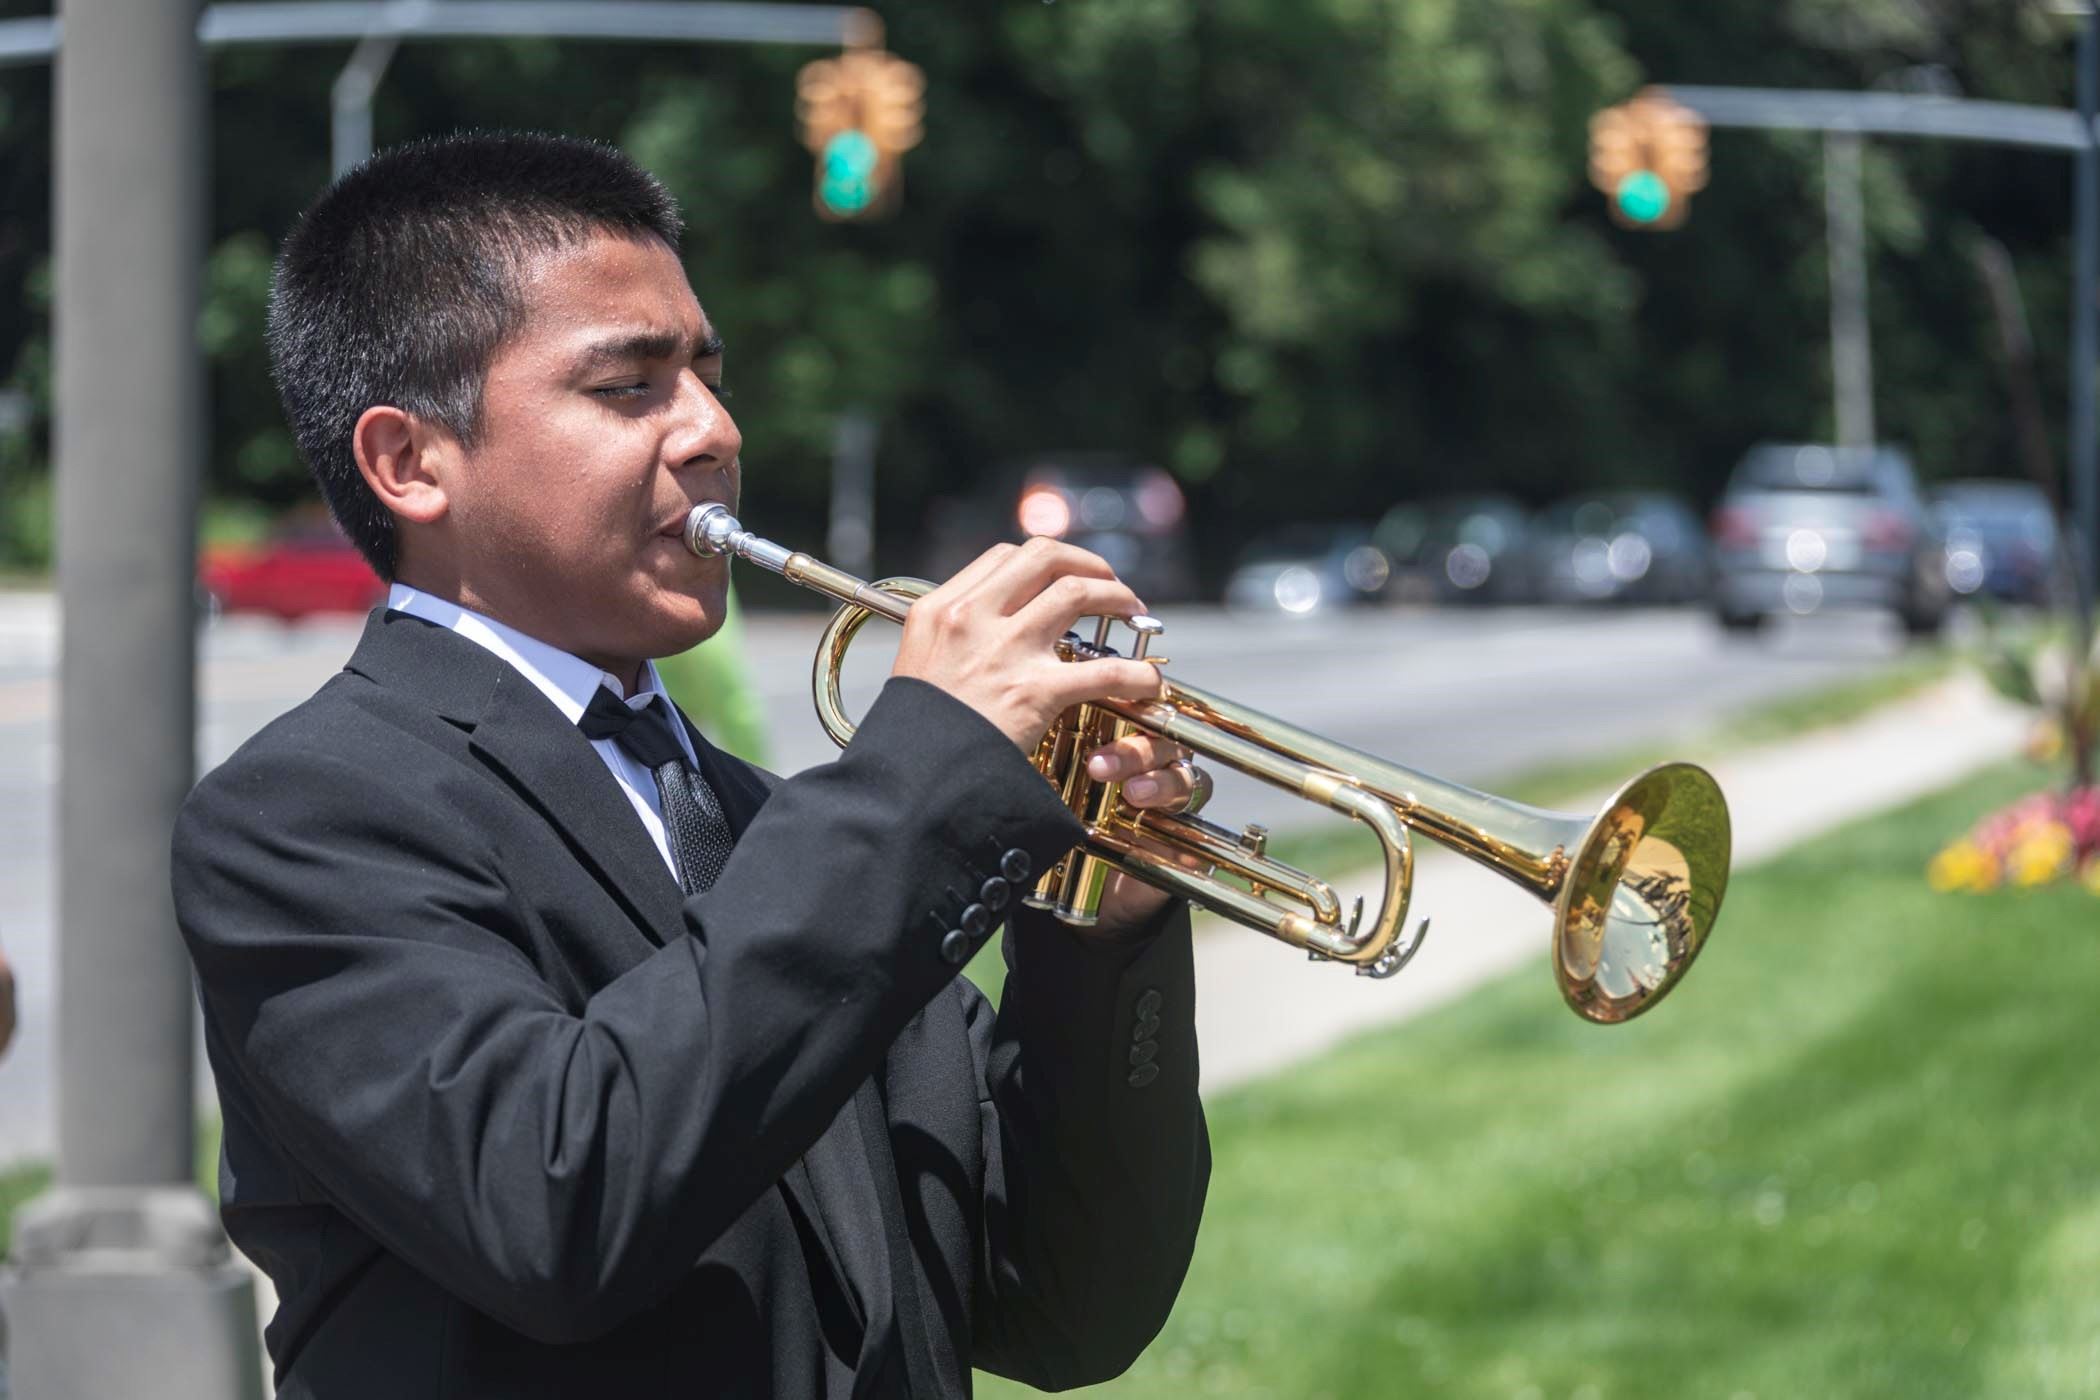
[(401, 282)]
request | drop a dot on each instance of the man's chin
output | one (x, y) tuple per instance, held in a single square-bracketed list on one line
[(685, 620)]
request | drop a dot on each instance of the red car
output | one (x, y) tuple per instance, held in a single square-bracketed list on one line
[(292, 576)]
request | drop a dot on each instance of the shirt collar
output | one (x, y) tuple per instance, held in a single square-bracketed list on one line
[(568, 681)]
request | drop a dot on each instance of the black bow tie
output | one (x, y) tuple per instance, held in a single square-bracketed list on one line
[(699, 834)]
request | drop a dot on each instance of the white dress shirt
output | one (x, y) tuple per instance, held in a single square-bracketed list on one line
[(570, 682)]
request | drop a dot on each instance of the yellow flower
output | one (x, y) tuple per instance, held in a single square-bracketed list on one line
[(1962, 866), (2042, 853)]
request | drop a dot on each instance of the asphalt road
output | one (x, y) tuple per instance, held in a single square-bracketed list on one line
[(1470, 695)]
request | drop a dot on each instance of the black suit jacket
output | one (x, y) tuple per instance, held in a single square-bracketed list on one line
[(507, 1115)]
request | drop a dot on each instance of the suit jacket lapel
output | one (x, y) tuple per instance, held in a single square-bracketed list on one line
[(556, 769), (518, 732)]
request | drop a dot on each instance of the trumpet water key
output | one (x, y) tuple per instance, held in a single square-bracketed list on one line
[(1634, 889)]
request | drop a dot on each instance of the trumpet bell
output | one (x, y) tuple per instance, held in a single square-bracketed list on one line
[(1641, 892)]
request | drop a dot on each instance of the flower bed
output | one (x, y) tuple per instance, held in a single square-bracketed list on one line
[(2042, 838)]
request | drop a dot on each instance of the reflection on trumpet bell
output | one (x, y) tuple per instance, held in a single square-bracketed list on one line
[(1641, 892), (1634, 890)]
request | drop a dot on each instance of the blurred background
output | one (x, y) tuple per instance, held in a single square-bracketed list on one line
[(1310, 261)]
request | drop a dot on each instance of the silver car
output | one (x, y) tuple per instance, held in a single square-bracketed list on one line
[(1805, 528)]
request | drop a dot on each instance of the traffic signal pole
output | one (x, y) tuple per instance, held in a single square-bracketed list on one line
[(122, 1282)]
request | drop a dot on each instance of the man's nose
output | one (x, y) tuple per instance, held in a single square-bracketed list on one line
[(705, 433)]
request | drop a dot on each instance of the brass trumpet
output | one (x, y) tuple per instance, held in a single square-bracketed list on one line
[(1634, 890)]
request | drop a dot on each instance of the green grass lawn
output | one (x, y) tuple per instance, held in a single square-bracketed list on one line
[(1856, 1154)]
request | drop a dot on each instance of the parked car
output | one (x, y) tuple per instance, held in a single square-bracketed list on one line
[(1458, 549), (2001, 539), (304, 570), (1303, 569), (1627, 546), (1130, 513), (1805, 527)]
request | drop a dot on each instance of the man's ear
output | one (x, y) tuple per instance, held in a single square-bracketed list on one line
[(406, 462)]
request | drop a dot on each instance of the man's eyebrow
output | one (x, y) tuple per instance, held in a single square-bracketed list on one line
[(646, 345)]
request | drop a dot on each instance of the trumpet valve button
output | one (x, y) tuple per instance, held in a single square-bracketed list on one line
[(1146, 628)]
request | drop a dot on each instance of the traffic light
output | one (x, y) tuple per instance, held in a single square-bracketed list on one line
[(1648, 156), (859, 113)]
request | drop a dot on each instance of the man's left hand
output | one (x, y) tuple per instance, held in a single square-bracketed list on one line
[(1155, 776)]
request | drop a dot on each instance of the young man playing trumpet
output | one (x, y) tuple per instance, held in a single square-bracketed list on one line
[(559, 1052)]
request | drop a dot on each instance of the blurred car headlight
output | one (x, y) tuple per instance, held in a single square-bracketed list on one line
[(1468, 566), (1806, 551), (1159, 501), (1045, 511), (1965, 568), (1366, 568), (1102, 508), (1629, 557), (1297, 590)]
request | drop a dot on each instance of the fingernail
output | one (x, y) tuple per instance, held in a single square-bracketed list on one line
[(1141, 789), (1101, 766)]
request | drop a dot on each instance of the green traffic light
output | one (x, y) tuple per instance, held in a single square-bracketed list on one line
[(1643, 197), (846, 173)]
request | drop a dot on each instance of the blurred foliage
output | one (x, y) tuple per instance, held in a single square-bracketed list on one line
[(1344, 244), (2054, 670)]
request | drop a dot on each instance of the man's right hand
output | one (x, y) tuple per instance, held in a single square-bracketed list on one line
[(988, 637)]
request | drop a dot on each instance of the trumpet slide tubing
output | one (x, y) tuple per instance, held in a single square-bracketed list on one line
[(1634, 889)]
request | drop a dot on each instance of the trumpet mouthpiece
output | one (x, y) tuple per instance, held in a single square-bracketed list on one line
[(711, 531)]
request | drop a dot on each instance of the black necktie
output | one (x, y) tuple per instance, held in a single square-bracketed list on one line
[(698, 832)]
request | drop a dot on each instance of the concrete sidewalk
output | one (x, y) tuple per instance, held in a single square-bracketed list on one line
[(1261, 1007)]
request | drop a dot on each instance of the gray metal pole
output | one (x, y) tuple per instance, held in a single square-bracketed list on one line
[(850, 542), (1851, 344), (2084, 525), (122, 1283), (351, 131), (130, 233)]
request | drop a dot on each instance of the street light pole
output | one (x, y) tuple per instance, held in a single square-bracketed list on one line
[(122, 1281), (1851, 344)]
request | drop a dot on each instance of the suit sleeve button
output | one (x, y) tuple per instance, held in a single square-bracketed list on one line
[(976, 920), (1016, 866), (955, 948), (1143, 1075), (1148, 1004), (1144, 1052), (995, 894)]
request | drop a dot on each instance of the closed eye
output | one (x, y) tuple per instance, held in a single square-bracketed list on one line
[(622, 391)]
